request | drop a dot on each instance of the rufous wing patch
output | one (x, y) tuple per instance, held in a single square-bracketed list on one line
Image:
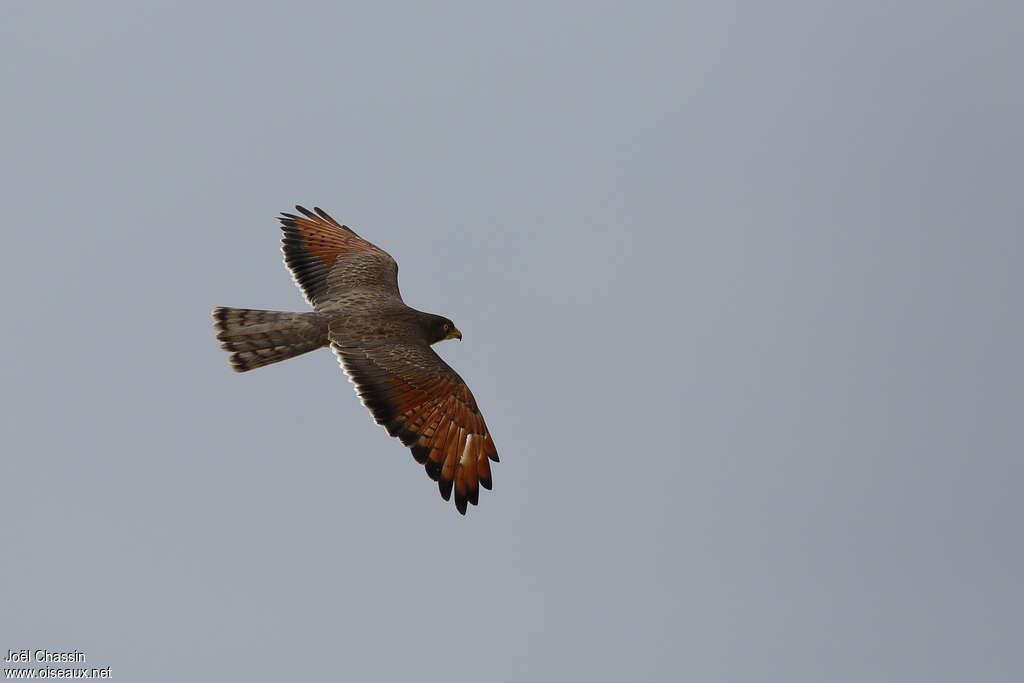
[(437, 417), (312, 245)]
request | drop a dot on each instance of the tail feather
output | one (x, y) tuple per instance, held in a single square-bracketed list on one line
[(258, 338)]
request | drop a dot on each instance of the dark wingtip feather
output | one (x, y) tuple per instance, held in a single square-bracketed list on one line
[(445, 487), (460, 503), (420, 453), (323, 214), (433, 470)]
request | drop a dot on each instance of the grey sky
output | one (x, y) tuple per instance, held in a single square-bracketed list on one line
[(740, 289)]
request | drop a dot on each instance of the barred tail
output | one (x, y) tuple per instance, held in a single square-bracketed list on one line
[(258, 338)]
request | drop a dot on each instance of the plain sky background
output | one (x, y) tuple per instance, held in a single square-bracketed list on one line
[(741, 292)]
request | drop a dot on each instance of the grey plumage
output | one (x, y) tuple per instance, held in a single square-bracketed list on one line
[(383, 345), (256, 338)]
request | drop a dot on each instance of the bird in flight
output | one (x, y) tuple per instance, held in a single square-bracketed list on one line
[(382, 345)]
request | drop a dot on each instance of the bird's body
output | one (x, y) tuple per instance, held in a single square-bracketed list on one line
[(382, 344)]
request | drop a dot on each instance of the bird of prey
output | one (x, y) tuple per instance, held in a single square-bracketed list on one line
[(382, 345)]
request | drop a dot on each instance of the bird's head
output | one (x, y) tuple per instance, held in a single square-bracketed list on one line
[(439, 328)]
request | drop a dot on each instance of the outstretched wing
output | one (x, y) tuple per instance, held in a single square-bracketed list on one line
[(417, 397), (327, 258)]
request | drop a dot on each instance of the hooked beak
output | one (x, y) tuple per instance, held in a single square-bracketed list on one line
[(454, 334)]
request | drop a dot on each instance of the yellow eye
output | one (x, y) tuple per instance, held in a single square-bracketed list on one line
[(446, 327)]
